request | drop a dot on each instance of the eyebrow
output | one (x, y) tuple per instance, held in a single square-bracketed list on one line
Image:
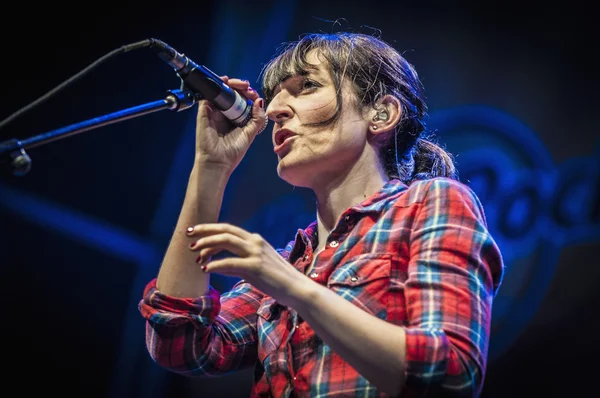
[(303, 72), (314, 71)]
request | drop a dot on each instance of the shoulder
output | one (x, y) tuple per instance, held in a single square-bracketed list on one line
[(438, 188), (442, 195)]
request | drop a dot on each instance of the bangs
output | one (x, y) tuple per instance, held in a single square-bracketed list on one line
[(292, 61)]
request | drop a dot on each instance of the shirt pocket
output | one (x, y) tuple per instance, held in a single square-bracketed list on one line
[(364, 280), (269, 337)]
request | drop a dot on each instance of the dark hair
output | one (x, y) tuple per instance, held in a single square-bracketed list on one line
[(375, 69)]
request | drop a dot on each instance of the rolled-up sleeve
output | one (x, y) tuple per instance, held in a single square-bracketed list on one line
[(454, 272), (208, 335)]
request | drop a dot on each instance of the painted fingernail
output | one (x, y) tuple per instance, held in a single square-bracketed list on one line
[(250, 89), (192, 244), (190, 230), (203, 268), (199, 259)]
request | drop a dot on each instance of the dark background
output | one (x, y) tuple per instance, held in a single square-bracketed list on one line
[(85, 229)]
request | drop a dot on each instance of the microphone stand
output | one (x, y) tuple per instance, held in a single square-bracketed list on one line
[(12, 151)]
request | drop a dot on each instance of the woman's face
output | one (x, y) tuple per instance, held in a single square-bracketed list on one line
[(310, 155)]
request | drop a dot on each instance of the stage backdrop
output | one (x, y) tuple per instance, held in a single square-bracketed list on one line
[(511, 94)]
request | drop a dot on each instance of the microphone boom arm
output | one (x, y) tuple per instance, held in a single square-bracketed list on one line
[(12, 151)]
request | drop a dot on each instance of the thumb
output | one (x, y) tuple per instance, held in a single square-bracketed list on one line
[(259, 120)]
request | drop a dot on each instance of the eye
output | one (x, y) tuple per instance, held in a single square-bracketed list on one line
[(308, 84)]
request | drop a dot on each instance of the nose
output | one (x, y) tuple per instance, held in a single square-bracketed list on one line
[(278, 109)]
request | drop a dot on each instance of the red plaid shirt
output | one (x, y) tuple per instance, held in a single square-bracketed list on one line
[(419, 257)]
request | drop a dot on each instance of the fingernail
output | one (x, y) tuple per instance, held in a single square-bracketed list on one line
[(192, 244), (203, 268), (190, 230), (199, 259), (250, 89)]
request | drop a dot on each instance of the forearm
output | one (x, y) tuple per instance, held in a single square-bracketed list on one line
[(180, 275), (372, 346)]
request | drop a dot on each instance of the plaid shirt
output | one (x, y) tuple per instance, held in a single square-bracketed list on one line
[(419, 257)]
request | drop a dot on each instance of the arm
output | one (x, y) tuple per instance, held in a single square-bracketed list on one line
[(180, 275), (219, 150), (189, 328), (372, 346), (448, 292)]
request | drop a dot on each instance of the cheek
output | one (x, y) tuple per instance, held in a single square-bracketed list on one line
[(317, 110)]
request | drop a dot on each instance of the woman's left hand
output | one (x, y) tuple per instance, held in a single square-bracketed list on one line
[(255, 260)]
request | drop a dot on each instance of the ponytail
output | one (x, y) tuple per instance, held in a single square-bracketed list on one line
[(426, 159), (431, 160)]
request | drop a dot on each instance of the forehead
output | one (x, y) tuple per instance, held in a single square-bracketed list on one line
[(316, 59), (316, 65), (292, 66)]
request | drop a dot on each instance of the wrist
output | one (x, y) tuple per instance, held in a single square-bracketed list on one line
[(207, 182), (215, 169), (304, 294)]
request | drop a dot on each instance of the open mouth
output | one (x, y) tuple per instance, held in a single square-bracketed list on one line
[(282, 135)]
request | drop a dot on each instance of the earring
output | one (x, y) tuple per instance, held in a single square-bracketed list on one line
[(374, 127)]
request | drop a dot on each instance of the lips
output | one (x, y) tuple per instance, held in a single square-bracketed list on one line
[(282, 135)]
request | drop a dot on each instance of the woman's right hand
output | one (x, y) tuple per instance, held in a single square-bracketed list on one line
[(220, 143)]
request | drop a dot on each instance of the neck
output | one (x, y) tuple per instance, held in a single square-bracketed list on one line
[(343, 191)]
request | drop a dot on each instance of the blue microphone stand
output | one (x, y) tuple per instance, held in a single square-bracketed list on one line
[(12, 151)]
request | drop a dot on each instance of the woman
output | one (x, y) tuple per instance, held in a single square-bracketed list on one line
[(388, 293)]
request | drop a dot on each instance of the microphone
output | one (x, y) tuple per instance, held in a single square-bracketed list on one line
[(207, 84)]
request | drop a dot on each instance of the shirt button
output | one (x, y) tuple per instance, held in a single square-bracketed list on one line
[(306, 258), (354, 279), (334, 243), (314, 275)]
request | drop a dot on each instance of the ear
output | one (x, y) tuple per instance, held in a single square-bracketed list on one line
[(385, 115)]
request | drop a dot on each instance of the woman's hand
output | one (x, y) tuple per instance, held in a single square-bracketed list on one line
[(217, 140), (255, 260)]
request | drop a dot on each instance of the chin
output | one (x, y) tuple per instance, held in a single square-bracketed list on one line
[(298, 175)]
